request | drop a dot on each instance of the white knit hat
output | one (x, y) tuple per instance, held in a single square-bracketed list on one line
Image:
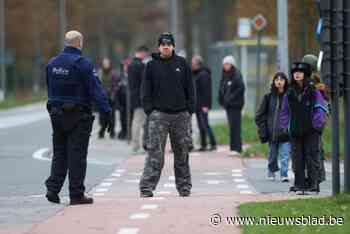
[(230, 60)]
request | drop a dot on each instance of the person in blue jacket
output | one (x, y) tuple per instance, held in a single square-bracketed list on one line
[(73, 85)]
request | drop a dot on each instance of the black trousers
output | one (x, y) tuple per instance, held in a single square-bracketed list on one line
[(123, 115), (205, 129), (234, 117), (71, 133), (306, 160)]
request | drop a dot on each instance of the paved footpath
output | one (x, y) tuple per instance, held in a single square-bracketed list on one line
[(219, 186)]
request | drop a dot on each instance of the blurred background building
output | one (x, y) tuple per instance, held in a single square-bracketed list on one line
[(114, 28)]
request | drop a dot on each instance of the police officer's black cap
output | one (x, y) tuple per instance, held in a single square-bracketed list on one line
[(166, 38), (302, 67)]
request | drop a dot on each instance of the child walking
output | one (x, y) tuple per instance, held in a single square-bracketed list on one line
[(267, 121)]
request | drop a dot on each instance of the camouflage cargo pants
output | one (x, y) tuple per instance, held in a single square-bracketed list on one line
[(159, 126)]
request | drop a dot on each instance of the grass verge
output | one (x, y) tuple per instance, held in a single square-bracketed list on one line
[(16, 101), (337, 207), (250, 136)]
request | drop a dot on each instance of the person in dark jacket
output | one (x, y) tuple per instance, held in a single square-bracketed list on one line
[(202, 78), (109, 82), (168, 98), (312, 61), (267, 121), (136, 71), (122, 101), (231, 97), (73, 85), (303, 116)]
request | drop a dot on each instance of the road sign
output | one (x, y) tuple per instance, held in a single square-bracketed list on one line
[(244, 28), (259, 22)]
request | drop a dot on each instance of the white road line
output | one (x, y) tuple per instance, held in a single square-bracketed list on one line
[(101, 190), (157, 198), (116, 175), (245, 192), (168, 185), (172, 178), (195, 154), (139, 216), (239, 180), (215, 181), (105, 184), (98, 194), (37, 196), (120, 171), (213, 173), (236, 170), (237, 175), (135, 173), (42, 154), (128, 231), (163, 192), (149, 207), (132, 181), (110, 179), (39, 154), (242, 186)]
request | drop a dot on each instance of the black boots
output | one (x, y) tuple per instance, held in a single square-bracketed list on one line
[(52, 197), (81, 200)]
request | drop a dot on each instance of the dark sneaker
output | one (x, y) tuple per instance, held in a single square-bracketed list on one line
[(52, 197), (202, 149), (146, 193), (185, 193), (314, 188), (101, 135), (81, 201)]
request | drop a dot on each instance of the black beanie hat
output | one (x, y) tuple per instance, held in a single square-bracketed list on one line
[(166, 38), (302, 67)]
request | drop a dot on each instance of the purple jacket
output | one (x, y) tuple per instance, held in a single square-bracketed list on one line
[(319, 115)]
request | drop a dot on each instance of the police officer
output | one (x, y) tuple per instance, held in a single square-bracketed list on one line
[(72, 84), (168, 98)]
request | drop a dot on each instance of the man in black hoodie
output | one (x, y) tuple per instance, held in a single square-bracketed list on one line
[(168, 98), (202, 78)]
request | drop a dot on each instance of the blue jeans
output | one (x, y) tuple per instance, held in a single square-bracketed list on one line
[(281, 151)]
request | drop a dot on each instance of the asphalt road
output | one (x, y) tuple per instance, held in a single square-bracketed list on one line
[(25, 143), (24, 132)]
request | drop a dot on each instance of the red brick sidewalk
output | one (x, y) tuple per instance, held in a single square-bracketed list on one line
[(219, 186)]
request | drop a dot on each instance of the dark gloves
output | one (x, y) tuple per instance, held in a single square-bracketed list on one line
[(107, 119), (263, 135)]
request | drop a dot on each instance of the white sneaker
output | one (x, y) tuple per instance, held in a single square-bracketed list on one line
[(284, 179), (234, 153), (271, 175)]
